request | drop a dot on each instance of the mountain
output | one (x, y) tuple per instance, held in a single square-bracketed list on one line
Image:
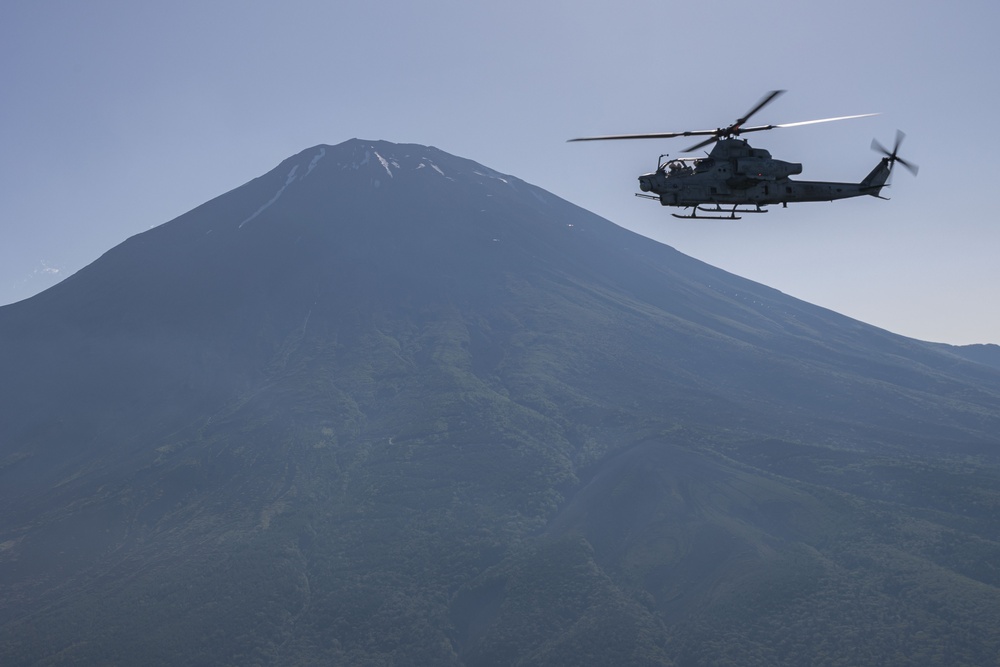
[(983, 354), (387, 406)]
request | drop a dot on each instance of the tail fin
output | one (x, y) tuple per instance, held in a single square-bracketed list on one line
[(875, 180)]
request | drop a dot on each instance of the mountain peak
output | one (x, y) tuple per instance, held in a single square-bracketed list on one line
[(360, 168), (385, 160)]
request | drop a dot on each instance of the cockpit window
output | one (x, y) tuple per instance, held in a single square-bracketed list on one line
[(677, 168)]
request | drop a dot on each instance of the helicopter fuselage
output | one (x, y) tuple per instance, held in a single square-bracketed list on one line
[(735, 173)]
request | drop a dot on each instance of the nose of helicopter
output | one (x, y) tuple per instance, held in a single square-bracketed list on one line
[(645, 184)]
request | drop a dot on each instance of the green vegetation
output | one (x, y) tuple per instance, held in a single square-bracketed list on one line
[(400, 502)]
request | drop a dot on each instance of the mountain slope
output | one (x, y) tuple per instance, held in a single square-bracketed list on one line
[(983, 354), (386, 405)]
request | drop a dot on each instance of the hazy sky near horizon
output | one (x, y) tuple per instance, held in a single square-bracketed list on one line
[(118, 116)]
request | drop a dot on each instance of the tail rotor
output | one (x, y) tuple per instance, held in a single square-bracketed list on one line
[(892, 155)]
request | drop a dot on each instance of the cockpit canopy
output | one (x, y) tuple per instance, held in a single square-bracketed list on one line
[(682, 167)]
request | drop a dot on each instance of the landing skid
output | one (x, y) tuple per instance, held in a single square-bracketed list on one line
[(730, 213)]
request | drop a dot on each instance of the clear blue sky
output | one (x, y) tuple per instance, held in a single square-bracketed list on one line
[(119, 116)]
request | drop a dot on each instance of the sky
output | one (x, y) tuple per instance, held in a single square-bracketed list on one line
[(118, 116)]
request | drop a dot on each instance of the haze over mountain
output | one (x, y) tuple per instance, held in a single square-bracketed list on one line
[(384, 405)]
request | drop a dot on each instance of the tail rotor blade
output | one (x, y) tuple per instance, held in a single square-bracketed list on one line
[(879, 148), (912, 168), (892, 155)]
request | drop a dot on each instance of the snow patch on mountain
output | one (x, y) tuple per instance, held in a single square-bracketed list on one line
[(316, 158), (397, 162), (385, 164), (494, 175), (427, 163), (293, 175), (288, 181)]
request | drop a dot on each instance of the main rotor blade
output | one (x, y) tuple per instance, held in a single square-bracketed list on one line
[(821, 120), (764, 101), (732, 130), (758, 128), (653, 135), (701, 144)]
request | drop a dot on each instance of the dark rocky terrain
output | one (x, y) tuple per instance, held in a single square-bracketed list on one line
[(386, 406)]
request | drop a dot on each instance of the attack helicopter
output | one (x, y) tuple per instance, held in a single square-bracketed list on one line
[(747, 179)]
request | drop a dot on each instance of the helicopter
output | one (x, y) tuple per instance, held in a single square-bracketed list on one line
[(747, 179)]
